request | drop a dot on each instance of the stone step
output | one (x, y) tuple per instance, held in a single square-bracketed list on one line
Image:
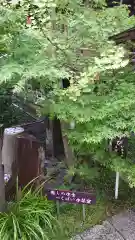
[(118, 227), (100, 232), (125, 224)]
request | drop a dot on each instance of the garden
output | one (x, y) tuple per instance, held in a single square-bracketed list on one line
[(63, 58)]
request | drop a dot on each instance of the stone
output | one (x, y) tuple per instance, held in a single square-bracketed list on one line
[(118, 227), (102, 232), (76, 238), (96, 233), (125, 224)]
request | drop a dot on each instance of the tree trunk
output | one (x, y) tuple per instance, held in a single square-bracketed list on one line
[(58, 147), (68, 151), (41, 169)]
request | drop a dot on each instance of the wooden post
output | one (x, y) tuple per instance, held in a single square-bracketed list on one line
[(83, 212), (2, 184), (27, 159)]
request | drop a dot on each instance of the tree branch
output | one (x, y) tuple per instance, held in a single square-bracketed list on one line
[(55, 45)]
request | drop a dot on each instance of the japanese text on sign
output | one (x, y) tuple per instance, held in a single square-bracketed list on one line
[(71, 197)]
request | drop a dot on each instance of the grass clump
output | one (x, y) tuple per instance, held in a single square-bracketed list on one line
[(30, 218)]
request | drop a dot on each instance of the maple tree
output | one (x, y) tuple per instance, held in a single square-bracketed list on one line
[(42, 42)]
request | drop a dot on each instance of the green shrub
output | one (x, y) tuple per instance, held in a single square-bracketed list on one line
[(28, 219)]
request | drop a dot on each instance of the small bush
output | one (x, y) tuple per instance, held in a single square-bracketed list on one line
[(28, 219)]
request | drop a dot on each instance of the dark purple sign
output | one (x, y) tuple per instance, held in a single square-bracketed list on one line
[(71, 196)]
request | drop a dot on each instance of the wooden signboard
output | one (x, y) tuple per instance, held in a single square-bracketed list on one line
[(72, 197)]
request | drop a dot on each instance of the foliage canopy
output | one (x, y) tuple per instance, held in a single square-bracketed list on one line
[(69, 39)]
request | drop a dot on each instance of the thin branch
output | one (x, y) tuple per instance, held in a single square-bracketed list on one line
[(55, 45)]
